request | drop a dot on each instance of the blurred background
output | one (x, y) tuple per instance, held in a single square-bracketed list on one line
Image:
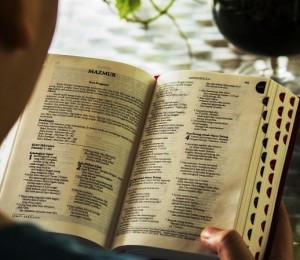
[(186, 38), (93, 28)]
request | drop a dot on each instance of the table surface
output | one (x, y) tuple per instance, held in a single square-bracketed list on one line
[(90, 28)]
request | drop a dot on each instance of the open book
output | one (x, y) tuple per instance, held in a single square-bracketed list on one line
[(106, 152)]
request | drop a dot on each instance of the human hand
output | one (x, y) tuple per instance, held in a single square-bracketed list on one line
[(229, 245), (5, 220)]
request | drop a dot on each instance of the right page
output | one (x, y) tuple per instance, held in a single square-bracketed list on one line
[(193, 159)]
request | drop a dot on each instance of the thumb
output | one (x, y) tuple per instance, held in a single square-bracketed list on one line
[(228, 244)]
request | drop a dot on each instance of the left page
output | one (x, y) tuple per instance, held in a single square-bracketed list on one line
[(75, 146)]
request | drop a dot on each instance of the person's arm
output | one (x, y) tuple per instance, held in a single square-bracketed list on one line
[(229, 245)]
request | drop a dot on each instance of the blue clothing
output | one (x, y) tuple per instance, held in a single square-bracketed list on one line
[(26, 241)]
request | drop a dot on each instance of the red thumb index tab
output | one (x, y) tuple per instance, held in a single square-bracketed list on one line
[(156, 76)]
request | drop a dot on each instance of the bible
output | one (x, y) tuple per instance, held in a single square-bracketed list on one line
[(109, 153)]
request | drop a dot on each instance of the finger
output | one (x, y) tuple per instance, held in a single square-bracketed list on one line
[(228, 244), (282, 247)]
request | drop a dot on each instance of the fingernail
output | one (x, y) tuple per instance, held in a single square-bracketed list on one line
[(208, 232)]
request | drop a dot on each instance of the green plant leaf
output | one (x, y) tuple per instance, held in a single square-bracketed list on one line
[(126, 7)]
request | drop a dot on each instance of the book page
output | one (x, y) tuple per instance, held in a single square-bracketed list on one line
[(75, 146), (192, 161)]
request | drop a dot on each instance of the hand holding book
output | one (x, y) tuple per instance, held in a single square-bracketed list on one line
[(229, 245)]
